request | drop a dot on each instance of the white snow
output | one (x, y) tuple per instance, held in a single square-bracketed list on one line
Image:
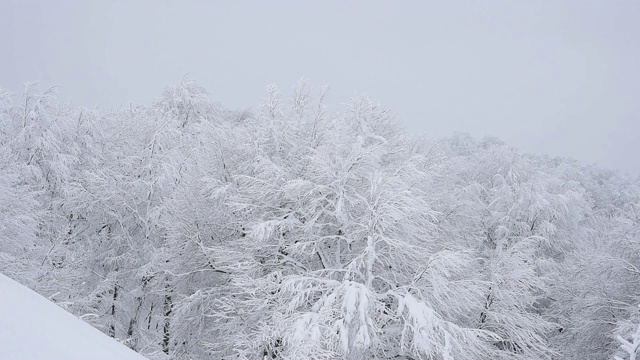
[(33, 328)]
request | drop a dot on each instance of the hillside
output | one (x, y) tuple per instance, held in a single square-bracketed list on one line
[(33, 328)]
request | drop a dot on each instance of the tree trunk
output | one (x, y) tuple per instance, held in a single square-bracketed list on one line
[(168, 309), (112, 327)]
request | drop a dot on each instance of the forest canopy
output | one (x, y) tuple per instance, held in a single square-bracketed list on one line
[(297, 231)]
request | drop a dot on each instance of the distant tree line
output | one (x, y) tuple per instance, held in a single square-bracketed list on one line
[(189, 231)]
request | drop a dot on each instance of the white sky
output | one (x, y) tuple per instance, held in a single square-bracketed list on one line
[(555, 77)]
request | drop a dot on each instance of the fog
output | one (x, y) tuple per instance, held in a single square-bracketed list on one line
[(560, 78)]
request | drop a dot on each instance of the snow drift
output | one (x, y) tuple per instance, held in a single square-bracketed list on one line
[(33, 328)]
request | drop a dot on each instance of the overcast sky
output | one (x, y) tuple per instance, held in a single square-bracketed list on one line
[(555, 77)]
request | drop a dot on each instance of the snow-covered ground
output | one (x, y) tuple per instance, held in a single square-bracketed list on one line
[(33, 328)]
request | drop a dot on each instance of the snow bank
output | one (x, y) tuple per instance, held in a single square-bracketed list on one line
[(33, 328)]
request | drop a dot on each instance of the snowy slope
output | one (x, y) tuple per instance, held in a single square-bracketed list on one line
[(33, 328)]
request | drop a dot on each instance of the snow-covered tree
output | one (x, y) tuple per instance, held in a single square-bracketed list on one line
[(188, 231)]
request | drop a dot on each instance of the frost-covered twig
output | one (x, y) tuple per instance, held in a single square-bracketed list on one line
[(630, 347)]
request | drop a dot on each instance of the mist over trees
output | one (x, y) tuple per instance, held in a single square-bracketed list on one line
[(297, 231)]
